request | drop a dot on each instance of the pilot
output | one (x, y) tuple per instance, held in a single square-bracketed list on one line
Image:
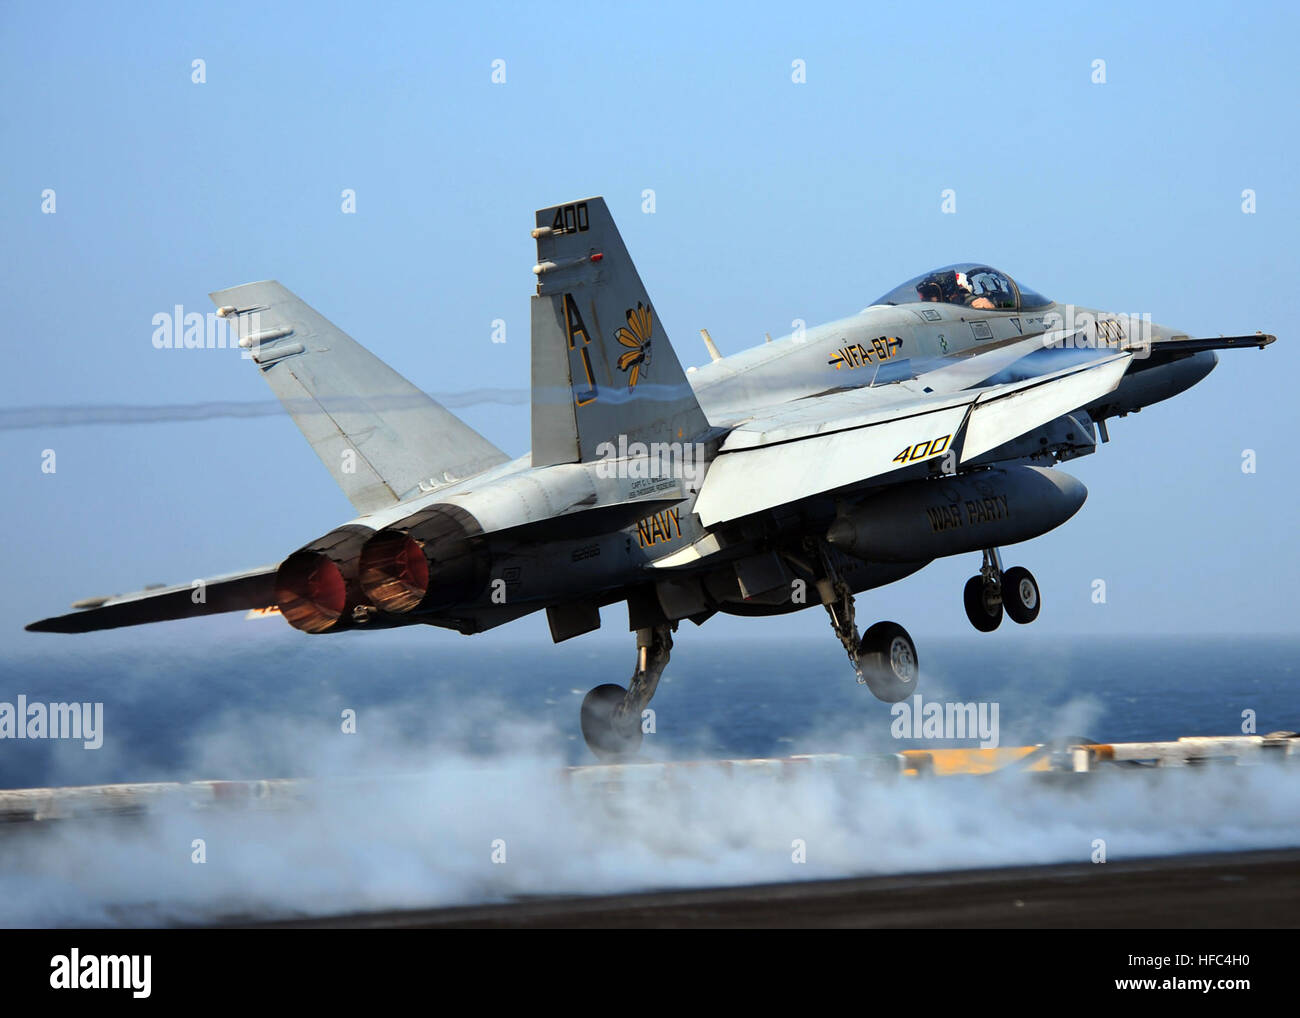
[(929, 291), (963, 294), (950, 287)]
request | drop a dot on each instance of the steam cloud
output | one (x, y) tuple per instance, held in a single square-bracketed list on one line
[(422, 834)]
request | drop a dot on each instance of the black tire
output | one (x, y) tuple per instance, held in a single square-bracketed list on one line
[(887, 657), (1020, 595), (981, 616), (605, 739)]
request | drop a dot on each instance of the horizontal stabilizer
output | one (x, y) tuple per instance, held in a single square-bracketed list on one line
[(254, 588)]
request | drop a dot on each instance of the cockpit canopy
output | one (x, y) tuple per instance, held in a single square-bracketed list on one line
[(969, 284)]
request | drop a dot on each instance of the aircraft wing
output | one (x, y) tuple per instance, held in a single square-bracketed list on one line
[(253, 588), (820, 445)]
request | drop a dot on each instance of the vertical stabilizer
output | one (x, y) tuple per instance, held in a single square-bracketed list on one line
[(602, 366)]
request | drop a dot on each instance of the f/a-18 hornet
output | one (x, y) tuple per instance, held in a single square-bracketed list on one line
[(803, 471)]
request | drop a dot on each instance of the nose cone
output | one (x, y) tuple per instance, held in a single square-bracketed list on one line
[(1148, 383), (1187, 372)]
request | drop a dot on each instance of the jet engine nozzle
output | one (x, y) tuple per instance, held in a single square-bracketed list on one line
[(430, 560), (315, 587), (394, 571)]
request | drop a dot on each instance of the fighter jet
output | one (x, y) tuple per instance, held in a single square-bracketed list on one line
[(800, 472)]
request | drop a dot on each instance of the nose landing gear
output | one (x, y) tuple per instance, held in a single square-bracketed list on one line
[(991, 592), (1020, 595)]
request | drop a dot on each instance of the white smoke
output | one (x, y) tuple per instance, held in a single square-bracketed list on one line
[(408, 827)]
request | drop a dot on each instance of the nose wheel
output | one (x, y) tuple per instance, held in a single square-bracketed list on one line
[(1020, 595), (992, 593), (983, 604)]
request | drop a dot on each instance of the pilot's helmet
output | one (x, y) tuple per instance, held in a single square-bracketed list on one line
[(929, 290)]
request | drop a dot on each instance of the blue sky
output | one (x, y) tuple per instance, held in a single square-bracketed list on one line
[(774, 201)]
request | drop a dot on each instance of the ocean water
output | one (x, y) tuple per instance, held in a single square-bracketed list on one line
[(164, 705)]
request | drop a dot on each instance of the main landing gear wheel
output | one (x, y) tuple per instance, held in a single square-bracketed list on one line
[(983, 607), (887, 657), (611, 715), (609, 733), (1020, 595)]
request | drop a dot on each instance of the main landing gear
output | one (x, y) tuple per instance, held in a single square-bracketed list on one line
[(611, 715), (884, 657), (992, 591)]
